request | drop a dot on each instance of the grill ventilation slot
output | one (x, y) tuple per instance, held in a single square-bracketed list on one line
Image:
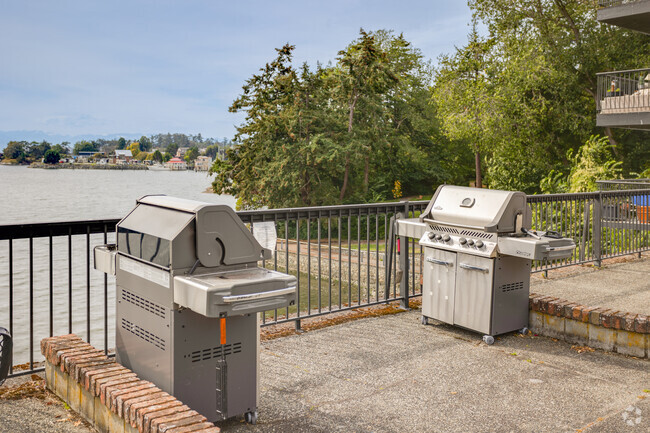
[(512, 286), (214, 352), (473, 234), (143, 303), (445, 229), (143, 334)]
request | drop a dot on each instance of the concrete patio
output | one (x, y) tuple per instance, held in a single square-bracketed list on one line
[(392, 374)]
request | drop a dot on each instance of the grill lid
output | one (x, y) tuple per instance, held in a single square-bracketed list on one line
[(477, 208), (218, 236)]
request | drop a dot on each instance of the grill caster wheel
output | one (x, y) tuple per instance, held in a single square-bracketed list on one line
[(251, 417), (488, 339), (523, 331), (424, 320)]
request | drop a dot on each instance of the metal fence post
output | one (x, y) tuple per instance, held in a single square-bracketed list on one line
[(597, 227), (403, 252)]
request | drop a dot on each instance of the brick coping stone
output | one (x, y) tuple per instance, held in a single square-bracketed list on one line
[(138, 404), (600, 316)]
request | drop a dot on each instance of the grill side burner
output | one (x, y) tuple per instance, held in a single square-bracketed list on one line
[(478, 250), (188, 295)]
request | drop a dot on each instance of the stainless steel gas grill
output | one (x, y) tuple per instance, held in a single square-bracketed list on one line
[(478, 248), (188, 295)]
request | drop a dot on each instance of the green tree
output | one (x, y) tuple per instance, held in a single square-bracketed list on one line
[(145, 144), (592, 162), (336, 133), (191, 154), (52, 156), (36, 151), (121, 143), (212, 151), (62, 148), (171, 148), (84, 146), (545, 58), (157, 156), (15, 150)]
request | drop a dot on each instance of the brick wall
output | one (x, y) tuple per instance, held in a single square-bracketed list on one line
[(602, 328), (112, 397)]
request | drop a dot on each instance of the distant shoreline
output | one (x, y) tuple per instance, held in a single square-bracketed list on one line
[(88, 166)]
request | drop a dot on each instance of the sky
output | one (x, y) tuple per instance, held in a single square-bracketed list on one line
[(137, 67)]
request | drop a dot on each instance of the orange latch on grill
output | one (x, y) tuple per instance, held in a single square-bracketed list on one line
[(222, 328)]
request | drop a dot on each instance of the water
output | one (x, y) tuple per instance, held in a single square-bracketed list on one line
[(37, 195), (29, 195)]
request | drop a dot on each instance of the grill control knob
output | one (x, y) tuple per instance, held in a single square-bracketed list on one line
[(470, 242), (479, 244), (446, 238), (462, 241), (431, 235), (438, 237)]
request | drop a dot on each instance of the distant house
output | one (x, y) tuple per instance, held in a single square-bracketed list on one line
[(176, 164), (202, 163), (180, 153), (123, 156)]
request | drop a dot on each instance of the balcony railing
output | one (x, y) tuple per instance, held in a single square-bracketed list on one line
[(628, 14), (610, 3), (623, 184), (624, 91), (48, 285)]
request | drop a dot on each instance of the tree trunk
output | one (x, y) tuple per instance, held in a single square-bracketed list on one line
[(612, 141), (345, 178), (477, 162), (365, 174)]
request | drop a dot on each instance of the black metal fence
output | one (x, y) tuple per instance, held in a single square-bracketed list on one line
[(337, 252), (623, 91), (623, 184)]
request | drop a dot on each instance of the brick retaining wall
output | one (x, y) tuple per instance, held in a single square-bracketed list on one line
[(601, 328), (111, 397)]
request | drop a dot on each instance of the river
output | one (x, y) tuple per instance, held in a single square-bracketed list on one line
[(37, 195)]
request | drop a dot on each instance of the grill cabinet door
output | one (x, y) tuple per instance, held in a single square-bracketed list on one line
[(473, 303), (439, 284)]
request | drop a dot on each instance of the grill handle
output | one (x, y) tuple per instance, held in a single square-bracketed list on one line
[(446, 223), (566, 248), (473, 268), (438, 262), (261, 295)]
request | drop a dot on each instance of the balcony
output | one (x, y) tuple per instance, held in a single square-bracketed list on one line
[(629, 14), (624, 99)]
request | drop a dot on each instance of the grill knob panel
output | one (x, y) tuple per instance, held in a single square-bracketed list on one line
[(446, 238), (479, 244)]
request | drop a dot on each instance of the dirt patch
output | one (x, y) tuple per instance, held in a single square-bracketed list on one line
[(284, 329), (32, 388)]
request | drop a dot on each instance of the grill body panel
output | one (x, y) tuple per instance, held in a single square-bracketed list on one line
[(189, 293), (478, 250)]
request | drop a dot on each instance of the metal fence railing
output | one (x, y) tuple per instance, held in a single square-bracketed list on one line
[(623, 91), (623, 184), (48, 285)]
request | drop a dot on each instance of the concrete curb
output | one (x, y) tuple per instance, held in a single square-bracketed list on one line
[(111, 397), (597, 327)]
